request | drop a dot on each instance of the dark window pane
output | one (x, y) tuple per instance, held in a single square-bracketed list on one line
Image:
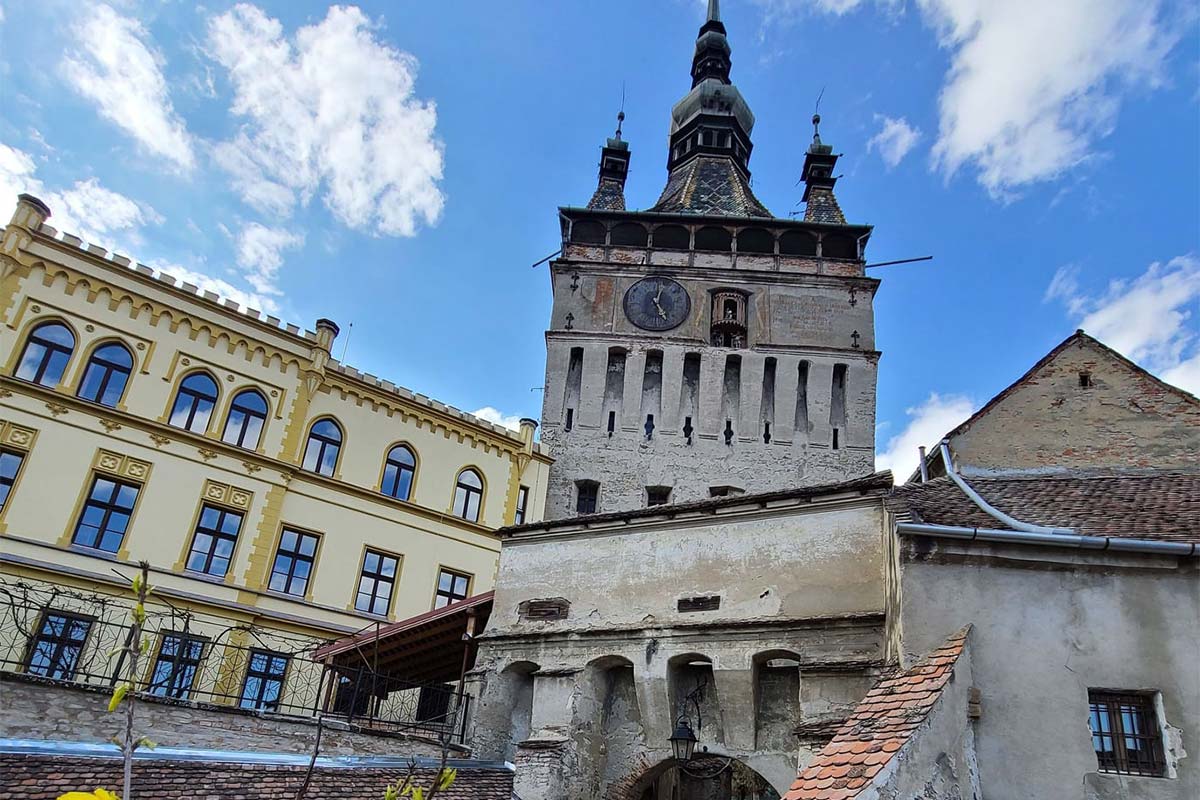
[(293, 562), (10, 465), (54, 651), (105, 516), (46, 354), (214, 539)]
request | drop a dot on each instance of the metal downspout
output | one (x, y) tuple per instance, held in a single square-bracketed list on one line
[(991, 510)]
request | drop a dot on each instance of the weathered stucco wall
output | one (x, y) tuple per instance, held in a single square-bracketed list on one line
[(1047, 627), (1124, 418), (813, 560), (36, 709), (796, 640)]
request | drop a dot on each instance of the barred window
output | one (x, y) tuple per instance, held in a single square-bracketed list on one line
[(294, 562), (194, 403), (452, 587), (264, 680), (47, 351), (213, 541), (176, 666), (376, 583), (106, 374), (106, 514), (10, 465), (398, 472), (54, 651), (1125, 733), (324, 444), (244, 423)]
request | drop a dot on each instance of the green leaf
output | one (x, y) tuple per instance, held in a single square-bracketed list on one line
[(117, 696), (390, 793), (147, 742), (418, 793), (446, 778)]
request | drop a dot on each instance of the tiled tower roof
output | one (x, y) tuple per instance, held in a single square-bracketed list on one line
[(709, 185)]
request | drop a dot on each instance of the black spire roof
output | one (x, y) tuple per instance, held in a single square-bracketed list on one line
[(614, 168), (819, 180), (708, 162)]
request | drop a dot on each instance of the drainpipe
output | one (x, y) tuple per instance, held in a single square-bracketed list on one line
[(1112, 543), (989, 509)]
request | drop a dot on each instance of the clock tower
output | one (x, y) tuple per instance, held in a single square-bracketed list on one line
[(705, 347)]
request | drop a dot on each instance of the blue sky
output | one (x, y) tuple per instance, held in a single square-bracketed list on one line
[(397, 166)]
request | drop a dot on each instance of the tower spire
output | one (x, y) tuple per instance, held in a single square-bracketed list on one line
[(614, 169), (714, 10), (818, 177)]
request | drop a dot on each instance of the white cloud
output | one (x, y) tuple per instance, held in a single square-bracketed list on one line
[(497, 417), (894, 140), (225, 289), (1148, 319), (260, 254), (330, 111), (116, 68), (17, 175), (88, 210), (1033, 85), (927, 424), (101, 216)]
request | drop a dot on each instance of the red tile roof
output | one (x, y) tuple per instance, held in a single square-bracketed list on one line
[(879, 727), (38, 777), (1161, 505)]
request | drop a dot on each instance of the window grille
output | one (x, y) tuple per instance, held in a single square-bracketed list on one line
[(1125, 733), (264, 680), (54, 652), (176, 666)]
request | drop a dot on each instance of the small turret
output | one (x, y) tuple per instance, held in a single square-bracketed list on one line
[(819, 180), (614, 169)]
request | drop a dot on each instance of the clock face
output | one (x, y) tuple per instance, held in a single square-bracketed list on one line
[(657, 304)]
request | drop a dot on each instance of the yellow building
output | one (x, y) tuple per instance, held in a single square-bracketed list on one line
[(263, 481)]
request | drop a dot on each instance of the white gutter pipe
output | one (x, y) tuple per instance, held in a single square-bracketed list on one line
[(989, 509), (1112, 543)]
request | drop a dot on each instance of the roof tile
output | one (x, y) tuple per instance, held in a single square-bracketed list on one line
[(878, 728)]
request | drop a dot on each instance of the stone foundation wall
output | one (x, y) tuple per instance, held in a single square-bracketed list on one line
[(32, 708)]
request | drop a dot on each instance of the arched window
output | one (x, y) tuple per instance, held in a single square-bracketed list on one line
[(629, 234), (797, 243), (324, 444), (837, 246), (398, 472), (194, 403), (106, 374), (672, 237), (47, 352), (755, 240), (587, 232), (247, 415), (713, 238), (467, 495)]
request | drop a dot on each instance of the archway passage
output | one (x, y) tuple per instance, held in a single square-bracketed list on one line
[(704, 777)]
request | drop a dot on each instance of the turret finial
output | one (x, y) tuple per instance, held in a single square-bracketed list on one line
[(714, 10), (816, 120)]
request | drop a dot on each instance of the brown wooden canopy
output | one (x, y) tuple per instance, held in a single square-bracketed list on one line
[(434, 647)]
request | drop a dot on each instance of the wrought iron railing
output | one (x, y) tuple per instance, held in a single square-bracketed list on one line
[(210, 660)]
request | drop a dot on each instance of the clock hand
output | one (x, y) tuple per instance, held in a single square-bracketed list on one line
[(657, 305)]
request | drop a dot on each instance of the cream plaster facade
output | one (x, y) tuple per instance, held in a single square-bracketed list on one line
[(173, 331)]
